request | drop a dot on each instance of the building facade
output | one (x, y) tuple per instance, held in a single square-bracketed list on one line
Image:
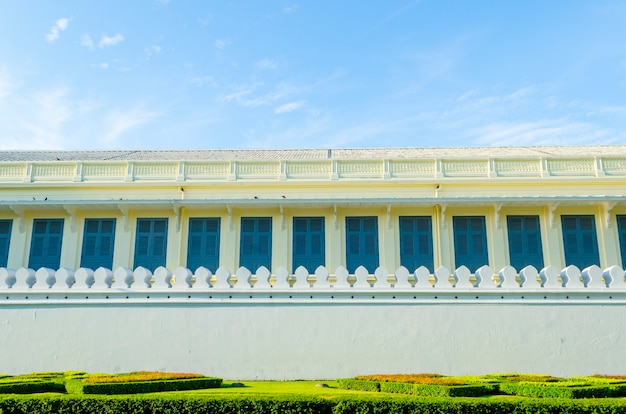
[(380, 207), (313, 264)]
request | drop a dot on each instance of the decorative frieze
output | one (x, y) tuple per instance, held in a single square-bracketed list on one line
[(12, 171), (56, 171), (155, 170), (363, 169), (95, 171), (614, 166), (256, 169), (467, 168), (580, 167), (308, 169), (383, 169), (412, 168), (517, 167), (200, 170)]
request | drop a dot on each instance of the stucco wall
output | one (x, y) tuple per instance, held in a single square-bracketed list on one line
[(300, 340)]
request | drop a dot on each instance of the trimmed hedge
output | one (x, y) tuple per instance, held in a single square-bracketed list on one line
[(477, 406), (435, 390), (30, 387), (358, 385), (141, 387), (425, 390), (555, 390), (75, 404)]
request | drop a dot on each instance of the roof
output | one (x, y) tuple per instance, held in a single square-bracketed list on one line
[(313, 154)]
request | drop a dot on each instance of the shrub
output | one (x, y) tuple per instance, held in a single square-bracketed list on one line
[(139, 376), (564, 390), (141, 387), (434, 390), (164, 404), (30, 387), (358, 384)]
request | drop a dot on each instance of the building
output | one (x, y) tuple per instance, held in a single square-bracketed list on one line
[(361, 214), (389, 207)]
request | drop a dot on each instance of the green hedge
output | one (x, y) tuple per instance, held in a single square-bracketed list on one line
[(141, 387), (435, 390), (152, 404), (30, 387), (83, 404), (358, 385), (477, 406), (555, 390)]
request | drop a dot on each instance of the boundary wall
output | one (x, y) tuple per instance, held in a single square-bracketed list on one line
[(314, 326)]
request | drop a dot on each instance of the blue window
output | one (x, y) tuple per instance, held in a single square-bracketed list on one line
[(151, 243), (416, 242), (45, 245), (621, 229), (256, 243), (5, 240), (580, 242), (362, 243), (308, 243), (524, 241), (98, 241), (470, 242), (203, 247)]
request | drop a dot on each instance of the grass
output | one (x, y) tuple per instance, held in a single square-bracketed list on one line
[(302, 388)]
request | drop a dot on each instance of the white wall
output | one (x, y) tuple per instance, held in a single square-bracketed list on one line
[(317, 332), (315, 341)]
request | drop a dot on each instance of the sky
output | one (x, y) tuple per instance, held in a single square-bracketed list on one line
[(207, 74)]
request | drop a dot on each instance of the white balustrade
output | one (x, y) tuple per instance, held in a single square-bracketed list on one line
[(203, 278), (462, 277), (484, 277), (162, 278), (441, 275), (103, 279), (507, 278), (123, 278), (263, 278), (422, 276), (341, 276), (302, 276), (402, 278), (569, 279), (222, 276), (321, 278), (244, 278), (183, 277), (83, 278)]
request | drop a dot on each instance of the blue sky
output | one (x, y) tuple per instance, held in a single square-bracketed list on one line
[(308, 74)]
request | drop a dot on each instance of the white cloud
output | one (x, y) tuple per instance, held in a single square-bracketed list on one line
[(244, 95), (40, 119), (203, 80), (120, 122), (543, 132), (151, 50), (56, 29), (221, 43), (110, 40), (235, 96), (86, 41), (267, 64), (289, 107), (291, 9)]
